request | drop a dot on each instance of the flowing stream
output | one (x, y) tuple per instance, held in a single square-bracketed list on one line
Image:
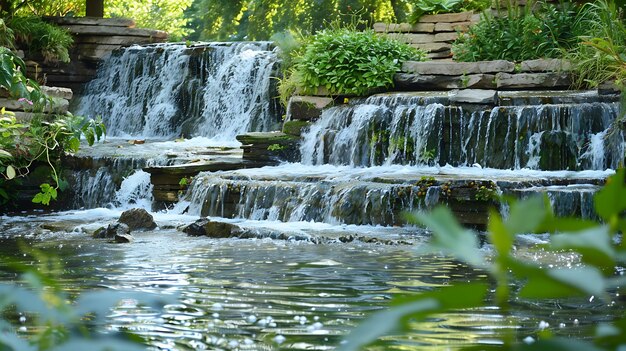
[(327, 243)]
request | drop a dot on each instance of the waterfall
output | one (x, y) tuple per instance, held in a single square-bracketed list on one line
[(409, 130), (215, 90)]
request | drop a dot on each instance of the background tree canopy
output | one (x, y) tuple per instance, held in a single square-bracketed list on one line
[(259, 19)]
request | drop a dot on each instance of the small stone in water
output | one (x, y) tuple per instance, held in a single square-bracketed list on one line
[(248, 341), (279, 339), (543, 325), (217, 307), (271, 325), (233, 344), (296, 318), (216, 315), (22, 329), (22, 319), (529, 340), (562, 325), (575, 321), (251, 318)]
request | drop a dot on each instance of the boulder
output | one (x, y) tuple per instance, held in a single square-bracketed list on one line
[(206, 227), (138, 218), (307, 108), (545, 65), (124, 238), (111, 231)]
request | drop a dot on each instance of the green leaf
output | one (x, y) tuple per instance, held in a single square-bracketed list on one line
[(450, 237), (525, 216), (11, 172), (593, 244), (414, 307), (610, 201), (73, 144), (498, 234), (558, 283), (5, 154)]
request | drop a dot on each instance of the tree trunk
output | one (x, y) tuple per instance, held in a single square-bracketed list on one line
[(95, 8)]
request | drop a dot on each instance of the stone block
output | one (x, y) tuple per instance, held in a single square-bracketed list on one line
[(58, 105), (264, 138), (546, 65), (447, 17), (58, 92), (452, 27), (307, 108), (450, 68), (418, 82), (475, 96), (108, 31), (532, 80), (433, 47), (404, 27), (92, 21), (412, 38), (295, 127), (446, 37), (119, 40)]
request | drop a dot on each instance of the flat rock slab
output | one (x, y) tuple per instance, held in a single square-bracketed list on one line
[(58, 105), (404, 27), (92, 21), (416, 82), (108, 31), (475, 96), (545, 65), (264, 137), (307, 108), (57, 92), (457, 68), (447, 17), (532, 80)]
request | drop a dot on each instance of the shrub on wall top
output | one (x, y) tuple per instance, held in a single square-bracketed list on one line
[(347, 62)]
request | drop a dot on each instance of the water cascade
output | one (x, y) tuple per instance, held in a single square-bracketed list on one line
[(215, 90), (420, 130)]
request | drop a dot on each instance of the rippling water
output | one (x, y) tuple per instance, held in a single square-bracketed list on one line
[(249, 294)]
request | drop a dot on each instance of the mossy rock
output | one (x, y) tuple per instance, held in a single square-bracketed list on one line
[(295, 127)]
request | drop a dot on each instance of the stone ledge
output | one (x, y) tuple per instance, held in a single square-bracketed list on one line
[(408, 81), (545, 65), (532, 80), (475, 96), (110, 31), (457, 68), (57, 92), (404, 28), (447, 17), (92, 21)]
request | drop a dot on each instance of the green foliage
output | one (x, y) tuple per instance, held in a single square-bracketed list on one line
[(432, 7), (542, 31), (599, 245), (58, 323), (44, 7), (260, 19), (39, 37), (275, 147), (166, 15), (12, 79), (601, 56), (345, 61)]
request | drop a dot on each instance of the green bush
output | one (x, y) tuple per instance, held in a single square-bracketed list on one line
[(39, 37), (347, 62), (431, 7), (522, 34)]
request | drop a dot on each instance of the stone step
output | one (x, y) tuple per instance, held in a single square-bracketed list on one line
[(92, 21), (119, 31)]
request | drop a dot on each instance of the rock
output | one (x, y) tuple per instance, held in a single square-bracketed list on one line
[(433, 47), (449, 68), (124, 238), (57, 92), (138, 218), (532, 80), (92, 21), (264, 138), (447, 17), (111, 231), (546, 65), (411, 38), (452, 27), (206, 227), (307, 108), (407, 81), (446, 37), (475, 96), (108, 31), (404, 27), (558, 151), (295, 127)]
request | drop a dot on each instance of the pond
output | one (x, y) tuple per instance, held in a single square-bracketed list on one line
[(265, 294)]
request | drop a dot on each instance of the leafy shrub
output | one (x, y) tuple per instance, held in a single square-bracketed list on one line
[(431, 7), (39, 37), (600, 247), (522, 34), (350, 62)]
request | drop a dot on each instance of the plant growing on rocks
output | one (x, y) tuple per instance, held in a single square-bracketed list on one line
[(39, 37), (431, 7), (349, 62), (540, 31)]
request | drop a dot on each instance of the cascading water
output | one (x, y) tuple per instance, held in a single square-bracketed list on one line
[(416, 130), (215, 90)]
